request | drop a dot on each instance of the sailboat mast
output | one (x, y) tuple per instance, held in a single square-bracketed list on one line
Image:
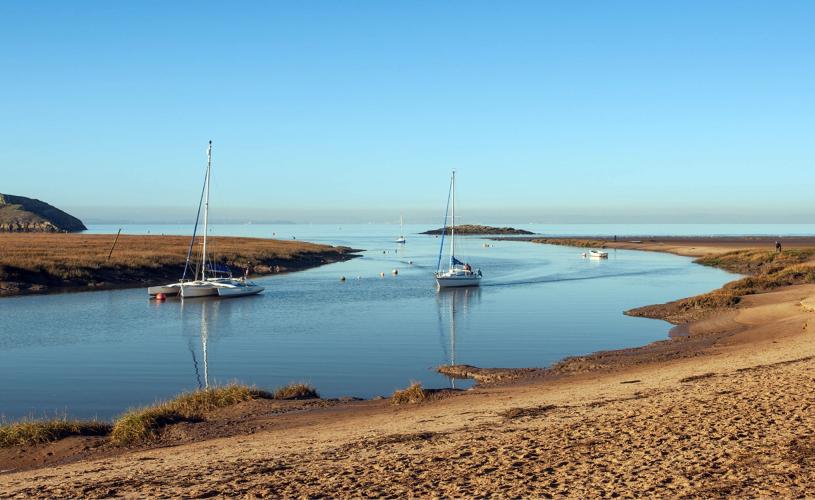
[(401, 226), (206, 213), (453, 224)]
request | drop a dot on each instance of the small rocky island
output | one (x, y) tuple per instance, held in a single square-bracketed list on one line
[(19, 214), (476, 229)]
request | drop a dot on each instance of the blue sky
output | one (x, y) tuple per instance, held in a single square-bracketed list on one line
[(550, 111)]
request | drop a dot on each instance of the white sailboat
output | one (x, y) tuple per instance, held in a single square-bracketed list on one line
[(458, 273), (214, 281), (401, 239)]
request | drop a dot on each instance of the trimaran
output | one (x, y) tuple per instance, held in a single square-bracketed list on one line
[(215, 280)]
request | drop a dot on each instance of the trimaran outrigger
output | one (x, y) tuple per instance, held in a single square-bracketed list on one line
[(215, 280)]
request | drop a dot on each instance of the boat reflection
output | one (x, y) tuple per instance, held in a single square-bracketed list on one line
[(456, 304), (202, 315)]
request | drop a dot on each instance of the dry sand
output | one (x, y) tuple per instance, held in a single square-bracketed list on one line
[(729, 412)]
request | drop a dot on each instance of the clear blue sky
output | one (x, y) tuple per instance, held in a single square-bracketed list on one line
[(697, 111)]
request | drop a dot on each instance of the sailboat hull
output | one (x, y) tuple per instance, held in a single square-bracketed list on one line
[(199, 290), (239, 291), (458, 281), (168, 290)]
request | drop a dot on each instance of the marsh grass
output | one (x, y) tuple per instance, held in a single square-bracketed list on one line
[(31, 431), (412, 395), (296, 391), (767, 271), (83, 257), (145, 424), (758, 262)]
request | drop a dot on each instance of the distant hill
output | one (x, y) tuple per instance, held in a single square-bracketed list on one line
[(475, 229), (19, 214)]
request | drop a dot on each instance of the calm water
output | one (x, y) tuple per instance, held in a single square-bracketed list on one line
[(97, 353)]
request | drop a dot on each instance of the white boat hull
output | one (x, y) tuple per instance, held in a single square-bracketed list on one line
[(168, 290), (459, 279), (192, 291), (598, 255), (239, 291), (401, 240)]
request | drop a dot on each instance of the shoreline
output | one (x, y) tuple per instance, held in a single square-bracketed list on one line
[(38, 264), (569, 429)]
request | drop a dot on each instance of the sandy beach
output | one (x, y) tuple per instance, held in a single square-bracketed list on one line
[(723, 409)]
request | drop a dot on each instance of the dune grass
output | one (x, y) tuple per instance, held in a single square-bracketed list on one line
[(296, 391), (411, 395), (31, 431), (145, 424)]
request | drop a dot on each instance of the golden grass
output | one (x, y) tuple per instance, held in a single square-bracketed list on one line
[(30, 432), (145, 424), (80, 256), (758, 261), (769, 270), (413, 394), (296, 391)]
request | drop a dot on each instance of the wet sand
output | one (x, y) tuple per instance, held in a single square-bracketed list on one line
[(725, 409)]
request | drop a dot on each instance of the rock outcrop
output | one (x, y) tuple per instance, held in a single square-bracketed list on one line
[(476, 229), (19, 214)]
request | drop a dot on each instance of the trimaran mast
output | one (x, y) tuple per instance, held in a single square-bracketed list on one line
[(206, 213)]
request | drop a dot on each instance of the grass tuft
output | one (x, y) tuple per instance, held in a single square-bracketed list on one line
[(145, 424), (413, 394), (30, 432), (296, 391)]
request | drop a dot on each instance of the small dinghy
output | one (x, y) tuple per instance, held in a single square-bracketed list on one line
[(598, 254)]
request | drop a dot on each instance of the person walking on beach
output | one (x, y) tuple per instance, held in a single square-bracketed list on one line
[(777, 246)]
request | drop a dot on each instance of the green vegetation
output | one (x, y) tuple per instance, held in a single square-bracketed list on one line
[(30, 432), (296, 391), (413, 394), (145, 424)]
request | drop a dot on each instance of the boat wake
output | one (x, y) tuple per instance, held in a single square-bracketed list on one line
[(561, 278)]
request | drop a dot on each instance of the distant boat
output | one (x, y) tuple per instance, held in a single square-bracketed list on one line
[(458, 273), (401, 238), (215, 280), (598, 254)]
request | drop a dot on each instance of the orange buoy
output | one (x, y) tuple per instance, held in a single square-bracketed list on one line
[(161, 296)]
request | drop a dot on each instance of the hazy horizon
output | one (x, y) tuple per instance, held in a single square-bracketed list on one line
[(168, 215)]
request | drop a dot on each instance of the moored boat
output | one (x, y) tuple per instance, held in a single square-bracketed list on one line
[(598, 254), (215, 280)]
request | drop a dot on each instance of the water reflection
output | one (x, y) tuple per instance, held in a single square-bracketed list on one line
[(206, 311), (456, 304)]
